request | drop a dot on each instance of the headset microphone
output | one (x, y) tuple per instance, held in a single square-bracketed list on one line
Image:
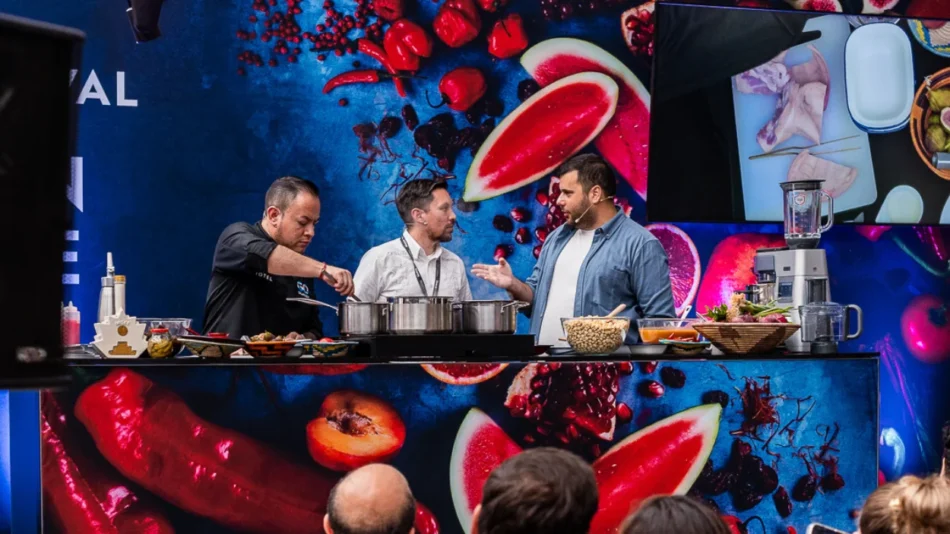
[(588, 209)]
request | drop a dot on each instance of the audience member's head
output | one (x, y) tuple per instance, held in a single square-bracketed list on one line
[(683, 515), (540, 491), (374, 499), (909, 506)]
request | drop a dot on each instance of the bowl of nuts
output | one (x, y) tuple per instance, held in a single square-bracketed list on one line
[(595, 335)]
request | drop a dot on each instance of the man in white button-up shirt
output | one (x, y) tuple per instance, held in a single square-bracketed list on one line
[(416, 264)]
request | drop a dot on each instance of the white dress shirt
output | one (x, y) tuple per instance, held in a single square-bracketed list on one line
[(386, 271)]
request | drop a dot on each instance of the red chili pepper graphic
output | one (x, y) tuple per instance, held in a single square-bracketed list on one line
[(461, 88), (457, 22), (356, 76), (151, 436), (507, 37), (376, 52), (85, 495), (405, 43)]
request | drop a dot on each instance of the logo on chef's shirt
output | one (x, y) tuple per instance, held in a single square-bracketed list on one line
[(265, 276), (303, 290)]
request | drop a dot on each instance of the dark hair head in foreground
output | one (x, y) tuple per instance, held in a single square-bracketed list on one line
[(539, 491), (374, 499), (680, 514)]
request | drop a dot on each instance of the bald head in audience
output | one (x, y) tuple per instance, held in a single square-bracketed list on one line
[(374, 499)]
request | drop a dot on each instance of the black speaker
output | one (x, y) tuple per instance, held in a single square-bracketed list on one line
[(38, 115)]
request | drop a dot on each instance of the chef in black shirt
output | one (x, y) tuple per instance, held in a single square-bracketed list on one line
[(258, 266)]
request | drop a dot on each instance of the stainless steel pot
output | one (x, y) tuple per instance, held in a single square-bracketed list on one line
[(363, 318), (420, 315), (488, 316)]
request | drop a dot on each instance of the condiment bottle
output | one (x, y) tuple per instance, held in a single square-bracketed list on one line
[(106, 298), (107, 293), (70, 325), (120, 294)]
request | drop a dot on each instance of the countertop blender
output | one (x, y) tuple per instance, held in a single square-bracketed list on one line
[(797, 274)]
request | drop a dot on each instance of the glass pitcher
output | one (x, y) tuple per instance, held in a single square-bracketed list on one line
[(829, 322), (802, 203)]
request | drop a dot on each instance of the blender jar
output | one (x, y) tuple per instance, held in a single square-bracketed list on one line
[(802, 212)]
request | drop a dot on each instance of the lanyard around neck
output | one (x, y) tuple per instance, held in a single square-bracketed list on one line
[(422, 284)]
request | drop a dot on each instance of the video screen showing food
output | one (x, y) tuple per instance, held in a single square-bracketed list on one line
[(753, 98)]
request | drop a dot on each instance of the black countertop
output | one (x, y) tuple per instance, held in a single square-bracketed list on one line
[(620, 356)]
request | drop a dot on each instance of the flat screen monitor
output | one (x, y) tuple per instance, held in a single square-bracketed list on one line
[(37, 136), (745, 99)]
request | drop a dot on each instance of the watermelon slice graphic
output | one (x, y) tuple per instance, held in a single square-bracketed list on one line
[(545, 130), (480, 447), (625, 140), (664, 458)]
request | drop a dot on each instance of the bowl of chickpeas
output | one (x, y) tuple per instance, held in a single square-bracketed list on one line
[(595, 335)]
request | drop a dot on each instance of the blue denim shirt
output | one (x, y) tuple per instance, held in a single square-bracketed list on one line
[(625, 265)]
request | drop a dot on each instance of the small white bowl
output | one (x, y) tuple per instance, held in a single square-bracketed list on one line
[(879, 77), (902, 205)]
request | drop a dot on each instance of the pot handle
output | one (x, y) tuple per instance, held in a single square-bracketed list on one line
[(325, 305), (456, 305), (858, 316), (517, 304)]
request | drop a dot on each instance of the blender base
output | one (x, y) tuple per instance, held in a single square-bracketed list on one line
[(824, 347)]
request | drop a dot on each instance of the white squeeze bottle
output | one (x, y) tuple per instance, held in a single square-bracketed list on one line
[(107, 292)]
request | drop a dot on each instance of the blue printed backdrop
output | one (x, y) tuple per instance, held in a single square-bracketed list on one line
[(161, 176), (814, 409), (5, 516)]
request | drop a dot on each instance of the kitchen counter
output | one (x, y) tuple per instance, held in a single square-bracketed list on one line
[(623, 355), (214, 424)]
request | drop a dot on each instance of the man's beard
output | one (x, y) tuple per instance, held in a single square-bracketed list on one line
[(444, 237), (582, 213)]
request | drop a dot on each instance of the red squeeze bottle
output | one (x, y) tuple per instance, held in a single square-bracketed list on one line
[(70, 325)]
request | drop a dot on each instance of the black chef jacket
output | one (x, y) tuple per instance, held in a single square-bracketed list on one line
[(243, 299)]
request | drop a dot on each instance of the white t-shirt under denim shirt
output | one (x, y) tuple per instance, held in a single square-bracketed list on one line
[(564, 287), (386, 271)]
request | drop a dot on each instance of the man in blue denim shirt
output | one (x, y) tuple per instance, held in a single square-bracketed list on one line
[(596, 261)]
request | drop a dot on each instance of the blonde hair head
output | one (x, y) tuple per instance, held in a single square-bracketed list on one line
[(909, 506)]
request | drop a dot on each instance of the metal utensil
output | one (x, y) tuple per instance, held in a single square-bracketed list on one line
[(312, 302), (686, 310)]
